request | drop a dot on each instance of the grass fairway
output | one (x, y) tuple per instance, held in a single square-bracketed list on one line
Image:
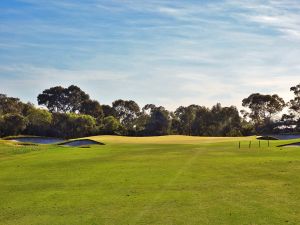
[(156, 180)]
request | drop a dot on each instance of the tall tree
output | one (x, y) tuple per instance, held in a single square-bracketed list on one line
[(159, 122), (59, 99), (74, 98), (148, 108), (53, 98), (108, 111), (294, 104), (226, 121), (291, 122), (217, 121), (92, 108), (262, 108), (12, 124), (10, 105), (202, 121), (287, 124), (127, 112), (186, 117), (111, 125)]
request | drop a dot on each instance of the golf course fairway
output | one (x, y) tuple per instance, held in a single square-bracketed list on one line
[(153, 180)]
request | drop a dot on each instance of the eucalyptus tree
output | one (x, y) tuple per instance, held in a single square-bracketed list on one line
[(108, 111), (159, 122), (185, 117), (127, 112), (262, 109), (294, 104), (291, 121), (63, 100), (92, 108), (10, 105), (12, 124), (111, 125)]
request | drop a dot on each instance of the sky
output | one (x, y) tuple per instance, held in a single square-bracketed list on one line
[(165, 52)]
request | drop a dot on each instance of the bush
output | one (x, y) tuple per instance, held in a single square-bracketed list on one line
[(12, 124), (70, 125), (234, 133), (111, 125), (39, 122)]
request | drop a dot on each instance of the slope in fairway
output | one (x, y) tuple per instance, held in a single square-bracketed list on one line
[(155, 180)]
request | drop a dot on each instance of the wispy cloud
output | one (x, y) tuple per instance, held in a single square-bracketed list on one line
[(282, 16), (26, 72), (161, 51)]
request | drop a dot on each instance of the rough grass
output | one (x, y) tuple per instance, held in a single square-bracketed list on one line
[(155, 180)]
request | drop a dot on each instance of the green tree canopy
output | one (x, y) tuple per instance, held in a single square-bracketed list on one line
[(186, 117), (12, 124), (92, 108), (159, 122), (10, 105), (111, 125), (71, 125), (59, 99), (127, 112), (294, 104), (262, 108), (39, 122)]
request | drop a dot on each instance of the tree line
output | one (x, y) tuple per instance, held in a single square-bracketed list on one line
[(70, 113)]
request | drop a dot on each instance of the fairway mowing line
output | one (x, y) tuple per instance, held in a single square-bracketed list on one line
[(171, 181)]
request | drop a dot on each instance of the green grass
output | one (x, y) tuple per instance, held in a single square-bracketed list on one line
[(156, 180)]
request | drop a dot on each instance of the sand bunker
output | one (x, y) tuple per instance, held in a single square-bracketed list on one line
[(81, 142), (279, 137), (38, 140)]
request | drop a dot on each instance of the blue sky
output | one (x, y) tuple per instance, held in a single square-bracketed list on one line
[(166, 52)]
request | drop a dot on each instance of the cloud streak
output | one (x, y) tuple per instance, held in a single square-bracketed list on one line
[(160, 51)]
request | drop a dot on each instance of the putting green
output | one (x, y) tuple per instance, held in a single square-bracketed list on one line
[(152, 180)]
